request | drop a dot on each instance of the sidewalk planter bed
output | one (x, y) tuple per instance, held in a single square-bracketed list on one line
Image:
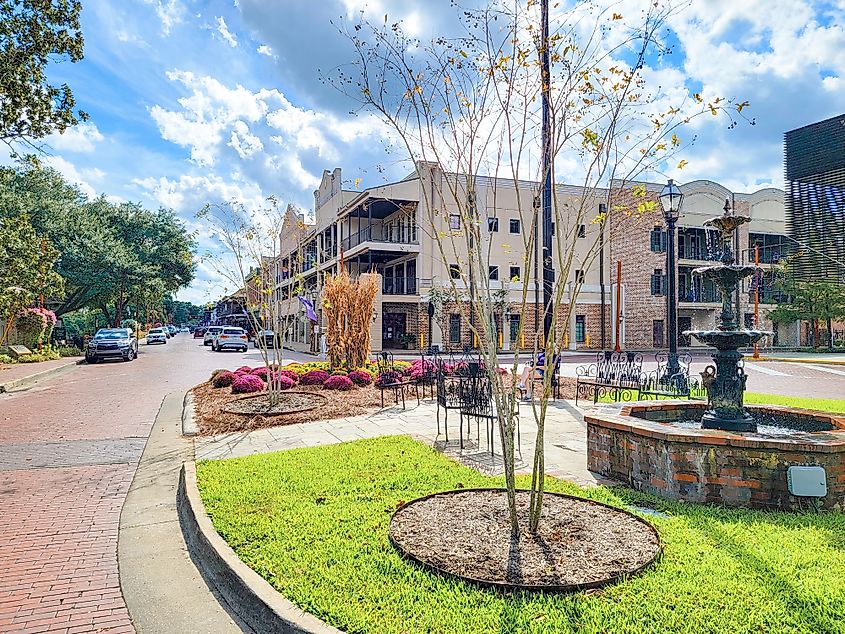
[(320, 537)]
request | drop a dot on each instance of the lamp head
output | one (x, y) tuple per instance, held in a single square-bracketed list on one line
[(671, 199)]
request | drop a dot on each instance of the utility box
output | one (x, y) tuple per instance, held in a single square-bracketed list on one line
[(807, 481)]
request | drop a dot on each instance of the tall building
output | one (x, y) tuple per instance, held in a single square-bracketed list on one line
[(410, 233), (815, 200)]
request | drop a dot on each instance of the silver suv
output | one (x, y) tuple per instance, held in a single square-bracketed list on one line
[(232, 337), (112, 343), (210, 333)]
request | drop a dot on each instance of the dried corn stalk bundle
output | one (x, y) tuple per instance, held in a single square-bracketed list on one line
[(348, 305)]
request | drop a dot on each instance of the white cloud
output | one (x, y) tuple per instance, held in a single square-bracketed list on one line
[(224, 32), (69, 171), (169, 12), (264, 50), (243, 141), (79, 138)]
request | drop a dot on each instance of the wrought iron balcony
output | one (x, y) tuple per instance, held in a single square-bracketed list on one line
[(376, 233)]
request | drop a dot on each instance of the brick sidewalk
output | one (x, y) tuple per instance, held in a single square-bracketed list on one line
[(20, 370), (69, 448)]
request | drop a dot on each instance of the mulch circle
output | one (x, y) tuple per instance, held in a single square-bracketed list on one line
[(289, 403), (580, 543)]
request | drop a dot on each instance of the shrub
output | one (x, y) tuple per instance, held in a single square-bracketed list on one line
[(69, 351), (420, 369), (360, 377), (5, 358), (314, 377), (246, 384), (260, 372), (293, 376), (387, 378), (244, 369), (38, 357), (283, 381), (215, 373), (340, 373), (224, 379), (338, 382)]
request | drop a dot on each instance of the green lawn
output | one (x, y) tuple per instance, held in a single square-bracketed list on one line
[(313, 522), (823, 404)]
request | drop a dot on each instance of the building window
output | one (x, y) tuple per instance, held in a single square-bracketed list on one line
[(514, 225), (454, 271), (454, 328), (454, 221), (657, 331), (514, 274), (580, 328), (493, 272), (492, 225), (582, 231), (657, 282), (658, 240), (579, 276), (513, 327)]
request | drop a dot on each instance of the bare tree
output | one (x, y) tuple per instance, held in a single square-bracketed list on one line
[(466, 111)]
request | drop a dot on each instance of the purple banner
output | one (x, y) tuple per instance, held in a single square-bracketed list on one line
[(309, 308)]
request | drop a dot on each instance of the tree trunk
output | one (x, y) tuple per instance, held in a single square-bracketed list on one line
[(830, 334)]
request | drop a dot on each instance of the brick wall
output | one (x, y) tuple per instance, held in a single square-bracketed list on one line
[(753, 475)]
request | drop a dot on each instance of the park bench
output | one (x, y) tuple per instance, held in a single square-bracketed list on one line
[(449, 369), (614, 374), (659, 383)]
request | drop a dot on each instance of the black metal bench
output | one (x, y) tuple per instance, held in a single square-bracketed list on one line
[(389, 378), (449, 372), (660, 384), (614, 374), (475, 394)]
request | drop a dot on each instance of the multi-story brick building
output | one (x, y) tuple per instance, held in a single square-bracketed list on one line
[(412, 233)]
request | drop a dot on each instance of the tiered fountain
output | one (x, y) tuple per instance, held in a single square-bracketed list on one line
[(722, 451)]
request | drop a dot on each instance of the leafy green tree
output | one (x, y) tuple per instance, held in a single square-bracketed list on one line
[(26, 269), (32, 34)]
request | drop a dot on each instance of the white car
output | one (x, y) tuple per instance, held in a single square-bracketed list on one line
[(210, 333), (156, 335), (231, 337)]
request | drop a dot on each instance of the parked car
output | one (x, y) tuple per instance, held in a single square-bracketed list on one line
[(156, 335), (198, 333), (111, 343), (230, 338), (208, 336), (270, 340)]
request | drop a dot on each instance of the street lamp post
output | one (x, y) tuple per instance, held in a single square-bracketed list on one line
[(671, 199)]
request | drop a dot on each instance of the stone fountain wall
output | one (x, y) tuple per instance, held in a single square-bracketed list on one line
[(707, 465)]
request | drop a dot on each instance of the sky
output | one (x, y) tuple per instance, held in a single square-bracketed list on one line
[(193, 101)]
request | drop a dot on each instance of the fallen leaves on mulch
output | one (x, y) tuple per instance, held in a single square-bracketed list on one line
[(209, 401)]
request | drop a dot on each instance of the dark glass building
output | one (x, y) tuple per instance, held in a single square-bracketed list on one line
[(815, 198)]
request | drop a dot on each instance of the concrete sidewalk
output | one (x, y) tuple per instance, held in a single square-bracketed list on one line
[(22, 375), (163, 590), (565, 438)]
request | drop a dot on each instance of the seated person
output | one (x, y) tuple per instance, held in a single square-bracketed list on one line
[(536, 370)]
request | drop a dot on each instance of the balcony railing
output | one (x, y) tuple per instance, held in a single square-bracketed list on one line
[(378, 234), (699, 254), (769, 296), (399, 286), (699, 296)]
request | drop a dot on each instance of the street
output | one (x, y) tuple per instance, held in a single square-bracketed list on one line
[(69, 448)]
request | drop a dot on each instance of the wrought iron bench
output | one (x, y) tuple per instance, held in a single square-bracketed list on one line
[(393, 379), (659, 383), (475, 393), (449, 372), (614, 374)]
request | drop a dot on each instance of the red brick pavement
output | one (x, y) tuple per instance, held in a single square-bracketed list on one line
[(68, 451), (59, 549)]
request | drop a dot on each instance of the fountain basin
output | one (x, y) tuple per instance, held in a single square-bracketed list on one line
[(649, 447), (728, 339)]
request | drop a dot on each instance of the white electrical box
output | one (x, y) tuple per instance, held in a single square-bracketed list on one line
[(807, 481)]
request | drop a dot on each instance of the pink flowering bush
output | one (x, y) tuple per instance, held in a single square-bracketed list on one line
[(420, 369), (360, 377), (260, 372), (224, 379), (339, 382), (293, 376), (244, 369), (246, 384), (282, 381), (388, 378), (314, 377)]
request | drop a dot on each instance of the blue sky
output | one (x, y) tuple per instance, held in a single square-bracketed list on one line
[(194, 102)]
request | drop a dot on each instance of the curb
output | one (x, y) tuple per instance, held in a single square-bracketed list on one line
[(252, 598), (788, 360), (32, 379), (189, 419)]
